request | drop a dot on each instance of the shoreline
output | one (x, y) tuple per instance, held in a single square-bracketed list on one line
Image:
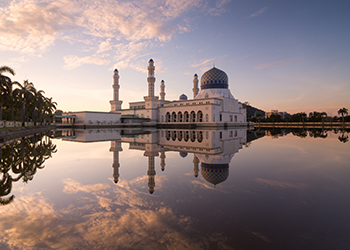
[(13, 133), (330, 125)]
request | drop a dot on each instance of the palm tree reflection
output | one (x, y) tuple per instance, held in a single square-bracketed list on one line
[(21, 159)]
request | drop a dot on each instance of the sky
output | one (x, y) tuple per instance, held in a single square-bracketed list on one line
[(293, 56)]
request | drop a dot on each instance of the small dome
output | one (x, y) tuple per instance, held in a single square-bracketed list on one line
[(215, 173), (150, 60), (116, 70), (195, 75), (183, 97), (214, 79), (183, 154)]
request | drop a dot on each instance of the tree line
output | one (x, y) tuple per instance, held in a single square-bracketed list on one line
[(23, 102), (314, 116)]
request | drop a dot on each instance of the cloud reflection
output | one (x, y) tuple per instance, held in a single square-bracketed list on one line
[(280, 184), (100, 222)]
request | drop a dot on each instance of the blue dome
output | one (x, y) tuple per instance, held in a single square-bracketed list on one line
[(151, 60), (215, 173), (183, 154), (183, 97), (116, 70), (214, 79)]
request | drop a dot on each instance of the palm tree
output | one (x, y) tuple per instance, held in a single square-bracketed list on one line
[(4, 82), (342, 112), (38, 102), (49, 108), (24, 93)]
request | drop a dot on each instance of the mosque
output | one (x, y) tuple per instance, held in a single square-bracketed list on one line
[(212, 105)]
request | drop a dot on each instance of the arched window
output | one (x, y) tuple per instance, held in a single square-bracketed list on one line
[(179, 137), (173, 135), (179, 117), (186, 117), (193, 116), (200, 136), (167, 135), (200, 116), (193, 136), (173, 117), (186, 136), (167, 117)]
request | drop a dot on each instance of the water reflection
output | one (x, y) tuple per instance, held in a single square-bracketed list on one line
[(311, 132), (20, 159), (212, 149), (284, 192)]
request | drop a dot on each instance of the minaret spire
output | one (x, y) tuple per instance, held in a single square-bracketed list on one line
[(115, 103), (162, 92), (151, 79), (195, 85)]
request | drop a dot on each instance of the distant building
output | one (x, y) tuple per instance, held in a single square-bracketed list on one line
[(283, 115)]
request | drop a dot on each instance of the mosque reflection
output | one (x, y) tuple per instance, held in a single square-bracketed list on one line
[(212, 149)]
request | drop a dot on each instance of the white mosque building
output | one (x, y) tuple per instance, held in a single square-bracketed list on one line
[(212, 104)]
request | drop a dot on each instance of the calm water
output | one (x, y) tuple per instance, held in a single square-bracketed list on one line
[(228, 189)]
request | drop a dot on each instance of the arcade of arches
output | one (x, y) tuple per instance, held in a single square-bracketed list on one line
[(185, 117)]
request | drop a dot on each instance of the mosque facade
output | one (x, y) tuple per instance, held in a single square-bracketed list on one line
[(212, 104)]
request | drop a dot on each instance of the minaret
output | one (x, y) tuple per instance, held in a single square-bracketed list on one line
[(162, 92), (195, 165), (151, 79), (162, 160), (195, 85), (115, 103), (151, 101), (115, 148)]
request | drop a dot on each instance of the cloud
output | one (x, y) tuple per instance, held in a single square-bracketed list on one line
[(276, 64), (259, 12), (128, 27), (105, 46), (72, 61), (29, 27), (204, 62), (219, 7)]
